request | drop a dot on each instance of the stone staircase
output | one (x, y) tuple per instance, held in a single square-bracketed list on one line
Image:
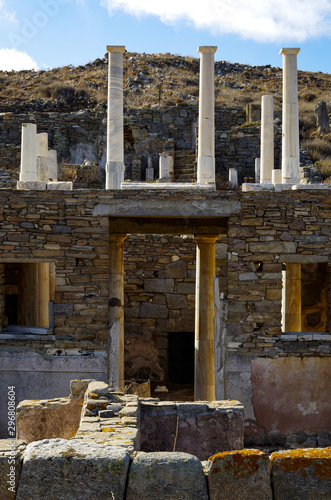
[(185, 166)]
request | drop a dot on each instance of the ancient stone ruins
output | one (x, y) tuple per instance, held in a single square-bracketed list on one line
[(208, 268)]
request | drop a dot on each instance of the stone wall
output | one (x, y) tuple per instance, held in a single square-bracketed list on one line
[(147, 132), (263, 230), (103, 454)]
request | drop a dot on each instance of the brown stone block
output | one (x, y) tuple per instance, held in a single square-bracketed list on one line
[(47, 253), (239, 474)]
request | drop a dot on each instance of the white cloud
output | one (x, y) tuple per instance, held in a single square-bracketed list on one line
[(258, 20), (5, 15), (12, 59)]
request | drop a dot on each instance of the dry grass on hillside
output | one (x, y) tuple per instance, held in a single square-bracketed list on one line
[(168, 80)]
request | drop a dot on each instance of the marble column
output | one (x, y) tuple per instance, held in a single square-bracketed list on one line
[(28, 172), (267, 139), (206, 134), (204, 377), (42, 156), (52, 165), (257, 170), (233, 177), (116, 312), (291, 298), (166, 167), (290, 118), (115, 135)]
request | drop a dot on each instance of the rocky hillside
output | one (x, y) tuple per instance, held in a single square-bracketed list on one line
[(166, 79)]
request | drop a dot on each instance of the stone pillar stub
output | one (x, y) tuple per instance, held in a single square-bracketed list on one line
[(292, 298), (52, 164), (290, 118), (166, 166), (28, 171), (257, 170), (204, 377), (233, 177), (115, 126), (267, 139), (206, 134), (116, 312)]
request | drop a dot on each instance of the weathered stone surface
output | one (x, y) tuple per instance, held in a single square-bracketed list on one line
[(73, 469), (158, 285), (10, 467), (177, 269), (148, 310), (302, 473), (166, 476), (239, 474), (203, 430)]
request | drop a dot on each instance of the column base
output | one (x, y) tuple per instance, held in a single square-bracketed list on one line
[(31, 185), (114, 174), (206, 170)]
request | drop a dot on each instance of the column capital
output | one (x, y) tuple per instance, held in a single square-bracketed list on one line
[(116, 48), (289, 51), (203, 49), (117, 237), (206, 238)]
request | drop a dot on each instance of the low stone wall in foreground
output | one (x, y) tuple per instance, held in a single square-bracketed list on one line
[(103, 460)]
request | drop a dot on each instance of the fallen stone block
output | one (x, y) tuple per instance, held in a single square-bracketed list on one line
[(57, 468), (302, 473), (239, 474), (10, 467), (166, 476)]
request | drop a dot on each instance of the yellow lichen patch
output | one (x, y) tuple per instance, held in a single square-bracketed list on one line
[(239, 462), (93, 395), (108, 429), (301, 459)]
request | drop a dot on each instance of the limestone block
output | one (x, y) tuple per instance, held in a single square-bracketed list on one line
[(247, 186), (302, 473), (73, 469), (176, 301), (59, 185), (31, 185), (236, 474), (166, 476), (322, 117), (10, 467)]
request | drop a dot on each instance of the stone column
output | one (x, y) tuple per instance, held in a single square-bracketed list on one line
[(267, 139), (290, 119), (149, 170), (257, 170), (115, 135), (166, 167), (33, 295), (52, 165), (28, 171), (116, 311), (204, 377), (206, 134), (291, 298), (42, 156), (233, 177)]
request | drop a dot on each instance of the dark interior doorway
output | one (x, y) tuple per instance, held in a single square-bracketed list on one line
[(181, 357)]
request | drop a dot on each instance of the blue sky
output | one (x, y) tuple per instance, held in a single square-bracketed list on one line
[(43, 34)]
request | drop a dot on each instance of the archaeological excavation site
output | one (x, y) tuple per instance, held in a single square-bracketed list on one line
[(165, 299)]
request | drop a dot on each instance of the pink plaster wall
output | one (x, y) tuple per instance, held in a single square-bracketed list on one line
[(292, 394)]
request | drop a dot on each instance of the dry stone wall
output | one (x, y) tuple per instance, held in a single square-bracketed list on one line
[(81, 135)]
